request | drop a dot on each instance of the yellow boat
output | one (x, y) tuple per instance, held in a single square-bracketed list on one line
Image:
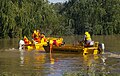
[(76, 49), (33, 46), (73, 49), (38, 46)]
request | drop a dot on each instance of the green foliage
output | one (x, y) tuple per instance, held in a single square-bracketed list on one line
[(96, 16), (21, 17)]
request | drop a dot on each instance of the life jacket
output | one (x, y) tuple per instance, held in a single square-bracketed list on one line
[(37, 39), (36, 36), (54, 42), (58, 41), (43, 39), (26, 40)]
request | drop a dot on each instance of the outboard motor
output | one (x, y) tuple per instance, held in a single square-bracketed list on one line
[(101, 47), (21, 44)]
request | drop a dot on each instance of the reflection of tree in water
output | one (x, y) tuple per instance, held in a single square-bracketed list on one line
[(95, 65), (90, 62)]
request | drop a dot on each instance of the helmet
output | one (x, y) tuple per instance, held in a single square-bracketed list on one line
[(86, 33), (25, 38), (35, 31)]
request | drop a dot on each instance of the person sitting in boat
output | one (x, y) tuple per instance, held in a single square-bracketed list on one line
[(43, 38), (87, 40), (59, 41), (26, 41), (36, 36), (56, 42), (38, 33)]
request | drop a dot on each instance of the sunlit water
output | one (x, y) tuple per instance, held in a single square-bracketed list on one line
[(14, 62)]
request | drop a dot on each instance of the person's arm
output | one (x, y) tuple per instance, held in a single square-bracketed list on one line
[(84, 37)]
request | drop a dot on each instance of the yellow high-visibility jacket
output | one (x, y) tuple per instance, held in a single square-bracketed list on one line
[(88, 37)]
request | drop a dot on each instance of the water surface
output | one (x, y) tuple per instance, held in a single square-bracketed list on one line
[(14, 62)]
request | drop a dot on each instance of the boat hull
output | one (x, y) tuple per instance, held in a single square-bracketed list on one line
[(37, 47), (72, 49)]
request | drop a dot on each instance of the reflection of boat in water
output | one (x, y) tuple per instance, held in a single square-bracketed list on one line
[(92, 66), (28, 58), (96, 49)]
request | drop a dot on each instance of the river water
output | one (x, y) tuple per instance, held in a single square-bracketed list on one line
[(14, 62)]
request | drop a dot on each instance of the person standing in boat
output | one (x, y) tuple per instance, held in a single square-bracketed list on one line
[(87, 40)]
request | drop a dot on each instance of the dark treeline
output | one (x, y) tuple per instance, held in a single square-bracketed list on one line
[(21, 17)]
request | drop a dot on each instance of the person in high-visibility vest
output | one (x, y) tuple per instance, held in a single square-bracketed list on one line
[(59, 41), (43, 38), (38, 33), (87, 39), (26, 41), (36, 36)]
